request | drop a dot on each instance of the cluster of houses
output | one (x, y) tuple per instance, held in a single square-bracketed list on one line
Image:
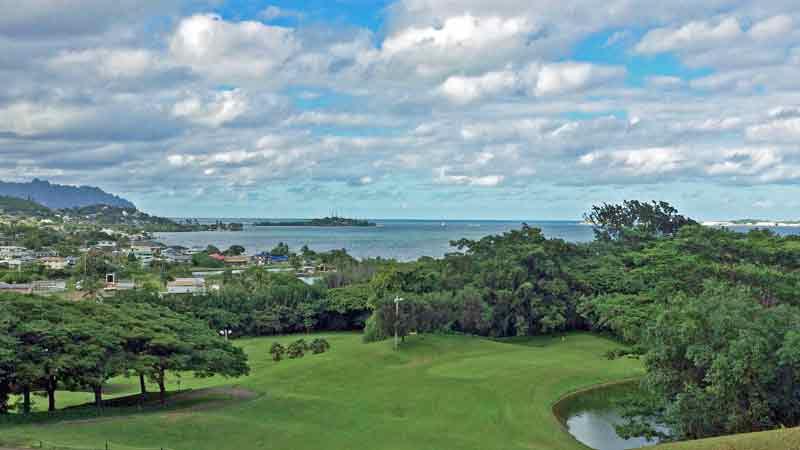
[(147, 251), (144, 252), (35, 287), (13, 256)]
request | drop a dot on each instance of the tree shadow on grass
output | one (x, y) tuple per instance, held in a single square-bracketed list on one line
[(185, 400)]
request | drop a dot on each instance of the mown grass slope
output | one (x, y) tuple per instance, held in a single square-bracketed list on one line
[(438, 392)]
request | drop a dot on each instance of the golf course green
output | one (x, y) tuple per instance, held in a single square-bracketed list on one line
[(437, 392)]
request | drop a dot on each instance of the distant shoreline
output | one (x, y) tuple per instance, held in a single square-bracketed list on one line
[(754, 223)]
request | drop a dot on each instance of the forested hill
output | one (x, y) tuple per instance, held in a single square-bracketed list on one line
[(14, 206), (57, 196), (100, 215)]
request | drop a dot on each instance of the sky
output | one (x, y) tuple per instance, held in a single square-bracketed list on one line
[(438, 109)]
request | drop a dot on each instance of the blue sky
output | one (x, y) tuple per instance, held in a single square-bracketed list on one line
[(407, 108)]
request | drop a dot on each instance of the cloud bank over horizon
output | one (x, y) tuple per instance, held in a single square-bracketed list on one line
[(407, 108)]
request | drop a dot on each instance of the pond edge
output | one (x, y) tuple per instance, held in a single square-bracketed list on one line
[(557, 406)]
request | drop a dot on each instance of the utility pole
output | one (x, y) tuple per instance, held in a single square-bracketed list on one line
[(397, 301)]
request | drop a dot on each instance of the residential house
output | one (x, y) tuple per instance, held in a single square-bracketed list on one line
[(217, 256), (175, 255), (145, 257), (260, 259), (106, 245), (54, 262), (112, 284), (276, 259), (153, 248), (13, 252), (236, 261), (45, 253), (48, 286), (264, 258), (187, 286), (16, 288)]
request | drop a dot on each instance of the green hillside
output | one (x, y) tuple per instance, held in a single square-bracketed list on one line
[(21, 207)]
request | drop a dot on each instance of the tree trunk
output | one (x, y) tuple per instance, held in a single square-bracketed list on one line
[(26, 400), (98, 396), (162, 390), (142, 385), (51, 394), (5, 391)]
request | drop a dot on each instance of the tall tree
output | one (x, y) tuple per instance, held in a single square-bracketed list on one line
[(633, 218)]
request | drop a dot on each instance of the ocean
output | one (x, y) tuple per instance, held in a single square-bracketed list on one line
[(404, 240)]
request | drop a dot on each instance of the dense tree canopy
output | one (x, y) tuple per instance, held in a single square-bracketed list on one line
[(48, 344)]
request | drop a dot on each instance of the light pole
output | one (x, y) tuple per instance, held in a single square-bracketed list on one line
[(397, 301)]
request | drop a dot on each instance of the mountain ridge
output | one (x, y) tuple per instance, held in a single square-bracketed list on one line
[(59, 196)]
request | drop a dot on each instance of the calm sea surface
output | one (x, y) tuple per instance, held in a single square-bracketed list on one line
[(404, 240)]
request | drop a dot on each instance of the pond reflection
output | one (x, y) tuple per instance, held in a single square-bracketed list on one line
[(591, 416)]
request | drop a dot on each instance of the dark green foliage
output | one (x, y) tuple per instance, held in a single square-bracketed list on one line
[(262, 303), (234, 250), (515, 284), (203, 260), (281, 249), (48, 344), (720, 363), (15, 206), (277, 351), (319, 345), (634, 220), (296, 349)]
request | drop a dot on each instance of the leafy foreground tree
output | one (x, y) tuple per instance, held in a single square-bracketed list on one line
[(48, 344), (720, 363)]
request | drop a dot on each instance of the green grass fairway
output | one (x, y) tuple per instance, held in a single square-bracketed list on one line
[(438, 392), (788, 439)]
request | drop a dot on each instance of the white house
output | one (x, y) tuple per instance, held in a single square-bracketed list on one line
[(48, 286), (146, 246), (13, 252), (187, 286), (106, 244)]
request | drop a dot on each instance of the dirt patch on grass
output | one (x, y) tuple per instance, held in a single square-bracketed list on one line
[(178, 404), (208, 399), (234, 392)]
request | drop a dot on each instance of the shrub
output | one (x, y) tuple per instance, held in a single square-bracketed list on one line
[(277, 351), (319, 345), (372, 330), (296, 349)]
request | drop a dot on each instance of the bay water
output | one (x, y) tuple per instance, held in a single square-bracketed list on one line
[(404, 240)]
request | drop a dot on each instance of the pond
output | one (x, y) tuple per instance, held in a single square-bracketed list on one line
[(590, 417)]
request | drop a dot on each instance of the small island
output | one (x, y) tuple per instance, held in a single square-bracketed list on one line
[(323, 222)]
